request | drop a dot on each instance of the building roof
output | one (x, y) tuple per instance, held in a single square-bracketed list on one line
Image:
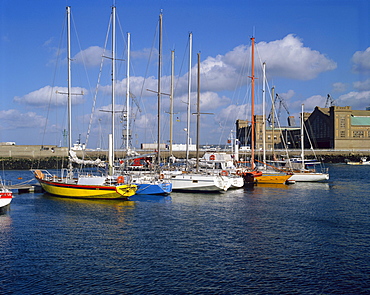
[(360, 120)]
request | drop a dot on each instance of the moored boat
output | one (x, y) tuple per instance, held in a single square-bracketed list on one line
[(85, 186), (89, 187), (363, 161), (6, 195)]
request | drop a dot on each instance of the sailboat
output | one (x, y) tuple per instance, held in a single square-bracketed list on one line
[(260, 177), (188, 180), (304, 170), (6, 195), (148, 183), (87, 186)]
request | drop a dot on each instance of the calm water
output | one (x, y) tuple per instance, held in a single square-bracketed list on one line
[(299, 239)]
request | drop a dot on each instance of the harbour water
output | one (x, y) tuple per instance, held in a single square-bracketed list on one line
[(297, 239)]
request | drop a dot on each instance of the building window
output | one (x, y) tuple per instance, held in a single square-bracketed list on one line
[(342, 122), (358, 134), (269, 136), (343, 134)]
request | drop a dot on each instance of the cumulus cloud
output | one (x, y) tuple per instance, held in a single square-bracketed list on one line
[(14, 119), (362, 85), (91, 57), (289, 58), (51, 96), (229, 114), (361, 61), (339, 87), (357, 100)]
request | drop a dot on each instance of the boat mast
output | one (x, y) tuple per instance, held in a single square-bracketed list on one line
[(159, 89), (69, 94), (252, 110), (198, 114), (128, 94), (264, 114), (111, 158), (171, 98), (302, 138), (189, 93)]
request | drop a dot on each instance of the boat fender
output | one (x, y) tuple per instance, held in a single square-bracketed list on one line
[(120, 179), (161, 176), (224, 173)]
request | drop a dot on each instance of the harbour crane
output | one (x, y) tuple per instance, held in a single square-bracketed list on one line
[(329, 101), (279, 102)]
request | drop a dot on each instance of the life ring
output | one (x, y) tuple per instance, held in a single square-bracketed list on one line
[(161, 176), (212, 157), (120, 179), (238, 172), (224, 173)]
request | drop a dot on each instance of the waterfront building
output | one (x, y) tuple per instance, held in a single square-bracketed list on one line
[(339, 128)]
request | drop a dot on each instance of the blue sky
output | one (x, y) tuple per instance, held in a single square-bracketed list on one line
[(311, 49)]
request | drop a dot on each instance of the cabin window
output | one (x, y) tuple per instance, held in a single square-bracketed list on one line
[(195, 181)]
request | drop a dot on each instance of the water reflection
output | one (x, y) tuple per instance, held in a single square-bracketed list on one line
[(111, 203)]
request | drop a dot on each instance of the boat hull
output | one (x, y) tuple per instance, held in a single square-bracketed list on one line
[(63, 189), (272, 178), (199, 183), (6, 197), (309, 177), (164, 188)]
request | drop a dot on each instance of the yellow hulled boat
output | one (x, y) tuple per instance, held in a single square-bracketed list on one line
[(272, 178), (88, 187)]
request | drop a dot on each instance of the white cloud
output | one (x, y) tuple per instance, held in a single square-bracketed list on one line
[(48, 96), (13, 119), (289, 58), (362, 85), (361, 61), (339, 87), (357, 100), (90, 57)]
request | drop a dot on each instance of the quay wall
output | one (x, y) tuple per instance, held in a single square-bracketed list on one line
[(23, 157)]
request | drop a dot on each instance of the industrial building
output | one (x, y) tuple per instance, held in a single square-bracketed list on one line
[(335, 127)]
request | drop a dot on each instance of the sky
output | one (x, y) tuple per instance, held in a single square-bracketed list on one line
[(310, 48)]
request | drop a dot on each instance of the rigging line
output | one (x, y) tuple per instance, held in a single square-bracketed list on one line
[(98, 84), (143, 84), (243, 72), (83, 60), (53, 81)]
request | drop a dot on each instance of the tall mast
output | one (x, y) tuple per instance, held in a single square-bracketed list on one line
[(171, 98), (159, 89), (302, 138), (128, 95), (69, 94), (111, 158), (264, 114), (189, 93), (273, 120), (198, 113), (252, 111)]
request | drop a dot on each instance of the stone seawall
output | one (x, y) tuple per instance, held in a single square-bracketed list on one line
[(51, 157)]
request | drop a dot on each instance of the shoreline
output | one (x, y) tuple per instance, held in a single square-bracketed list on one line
[(16, 158)]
